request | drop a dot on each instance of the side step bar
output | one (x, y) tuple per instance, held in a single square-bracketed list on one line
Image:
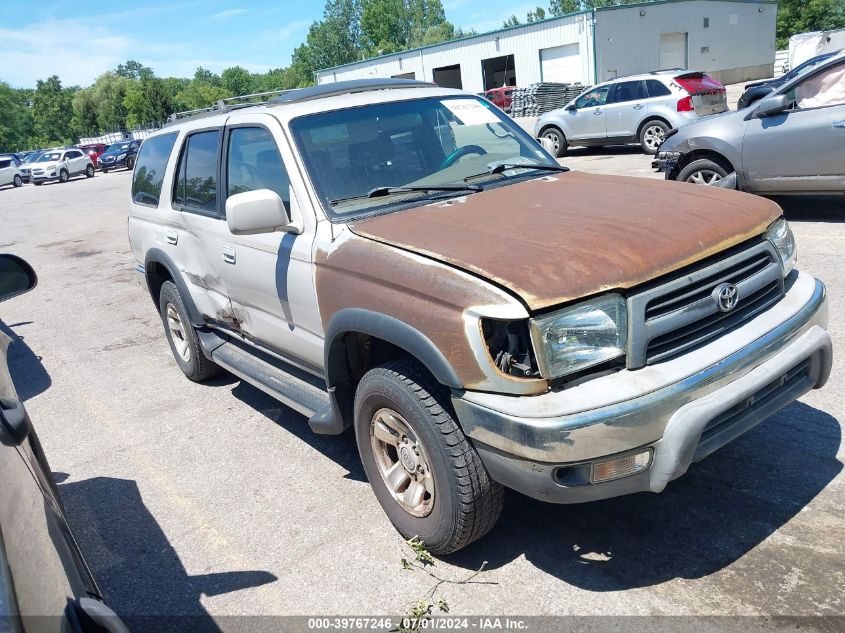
[(297, 392)]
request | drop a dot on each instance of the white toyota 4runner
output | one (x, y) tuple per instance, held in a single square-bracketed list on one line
[(404, 259)]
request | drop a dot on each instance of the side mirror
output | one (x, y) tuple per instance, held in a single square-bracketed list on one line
[(571, 108), (769, 106), (259, 211), (16, 277)]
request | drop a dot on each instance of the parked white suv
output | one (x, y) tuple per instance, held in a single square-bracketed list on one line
[(61, 165), (9, 173), (637, 109), (405, 260)]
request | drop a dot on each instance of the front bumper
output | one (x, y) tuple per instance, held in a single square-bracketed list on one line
[(113, 165), (666, 165), (680, 410), (44, 177)]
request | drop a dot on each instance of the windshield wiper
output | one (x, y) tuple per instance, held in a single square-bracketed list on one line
[(379, 192), (386, 191), (499, 168)]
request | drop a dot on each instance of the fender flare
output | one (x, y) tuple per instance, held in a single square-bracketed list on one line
[(159, 257), (388, 329)]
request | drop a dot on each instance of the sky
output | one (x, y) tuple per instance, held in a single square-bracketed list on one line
[(80, 40)]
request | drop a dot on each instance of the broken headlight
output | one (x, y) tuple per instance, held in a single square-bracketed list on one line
[(580, 336), (781, 237)]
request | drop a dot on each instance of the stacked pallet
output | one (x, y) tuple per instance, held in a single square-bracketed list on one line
[(542, 97)]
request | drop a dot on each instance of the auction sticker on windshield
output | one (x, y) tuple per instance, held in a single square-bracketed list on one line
[(470, 111)]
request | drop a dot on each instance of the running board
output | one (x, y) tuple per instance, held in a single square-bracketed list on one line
[(296, 392)]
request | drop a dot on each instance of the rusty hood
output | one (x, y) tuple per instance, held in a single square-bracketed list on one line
[(552, 240)]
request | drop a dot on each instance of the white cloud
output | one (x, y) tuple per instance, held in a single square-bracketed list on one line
[(292, 29), (228, 13)]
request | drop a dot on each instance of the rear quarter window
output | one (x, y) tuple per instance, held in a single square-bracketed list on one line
[(149, 169), (657, 89)]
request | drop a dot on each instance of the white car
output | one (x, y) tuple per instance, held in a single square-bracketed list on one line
[(61, 165), (9, 173)]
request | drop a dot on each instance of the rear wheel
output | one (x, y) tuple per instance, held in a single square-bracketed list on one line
[(702, 172), (89, 171), (652, 135), (424, 472), (558, 141), (17, 181), (182, 336)]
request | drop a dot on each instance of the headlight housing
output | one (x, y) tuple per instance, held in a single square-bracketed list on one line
[(580, 336), (121, 157), (781, 237)]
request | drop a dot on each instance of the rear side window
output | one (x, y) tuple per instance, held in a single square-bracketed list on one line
[(657, 89), (73, 154), (149, 169), (628, 91), (196, 183), (254, 162), (5, 163)]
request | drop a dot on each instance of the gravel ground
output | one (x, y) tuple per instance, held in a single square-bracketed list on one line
[(215, 500)]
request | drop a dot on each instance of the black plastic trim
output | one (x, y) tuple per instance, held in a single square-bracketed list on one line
[(157, 256)]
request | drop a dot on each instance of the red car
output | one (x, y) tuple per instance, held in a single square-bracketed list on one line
[(93, 151), (502, 97)]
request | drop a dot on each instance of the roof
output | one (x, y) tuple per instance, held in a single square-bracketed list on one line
[(346, 87), (521, 26)]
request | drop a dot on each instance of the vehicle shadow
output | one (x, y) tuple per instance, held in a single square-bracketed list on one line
[(704, 521), (28, 374), (341, 449), (137, 568), (813, 208), (606, 150)]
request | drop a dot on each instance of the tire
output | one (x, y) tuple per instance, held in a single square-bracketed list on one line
[(460, 503), (36, 183), (559, 140), (130, 163), (186, 348), (89, 171), (17, 181), (652, 135), (63, 176), (105, 171), (702, 172)]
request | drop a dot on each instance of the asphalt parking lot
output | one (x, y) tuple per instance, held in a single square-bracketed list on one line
[(215, 500)]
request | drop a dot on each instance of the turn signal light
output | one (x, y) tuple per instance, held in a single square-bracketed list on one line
[(621, 467)]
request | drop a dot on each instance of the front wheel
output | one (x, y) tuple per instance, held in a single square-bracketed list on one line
[(17, 181), (63, 177), (558, 140), (130, 163), (702, 172), (89, 171), (105, 171), (424, 472), (652, 135)]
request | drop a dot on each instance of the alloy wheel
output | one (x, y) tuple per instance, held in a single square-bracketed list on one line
[(177, 333), (402, 462), (704, 177), (654, 136)]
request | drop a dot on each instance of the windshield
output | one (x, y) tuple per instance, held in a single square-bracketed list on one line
[(435, 142), (33, 157), (806, 66), (117, 147), (49, 157)]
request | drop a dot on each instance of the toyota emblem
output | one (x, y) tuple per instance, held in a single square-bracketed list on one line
[(726, 296)]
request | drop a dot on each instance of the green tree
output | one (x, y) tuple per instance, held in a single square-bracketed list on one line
[(133, 70), (199, 94), (511, 21), (237, 80), (801, 16), (537, 14), (52, 111), (564, 7), (385, 26), (147, 101), (15, 119)]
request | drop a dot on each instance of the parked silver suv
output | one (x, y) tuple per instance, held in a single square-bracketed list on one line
[(637, 109), (61, 165)]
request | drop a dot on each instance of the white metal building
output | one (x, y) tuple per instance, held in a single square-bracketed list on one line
[(733, 40)]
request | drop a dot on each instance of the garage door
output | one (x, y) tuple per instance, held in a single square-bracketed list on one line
[(561, 63), (673, 50)]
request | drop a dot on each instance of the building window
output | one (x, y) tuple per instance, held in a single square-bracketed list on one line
[(706, 23)]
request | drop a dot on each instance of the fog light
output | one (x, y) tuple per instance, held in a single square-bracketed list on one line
[(620, 467)]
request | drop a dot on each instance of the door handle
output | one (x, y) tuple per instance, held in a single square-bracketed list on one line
[(840, 124), (596, 111), (229, 254), (172, 237), (639, 106)]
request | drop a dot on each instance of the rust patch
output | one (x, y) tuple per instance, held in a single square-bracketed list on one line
[(361, 273), (553, 241)]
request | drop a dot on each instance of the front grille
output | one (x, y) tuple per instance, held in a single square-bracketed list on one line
[(684, 313)]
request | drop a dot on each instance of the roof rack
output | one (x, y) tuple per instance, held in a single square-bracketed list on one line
[(350, 86), (226, 105)]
